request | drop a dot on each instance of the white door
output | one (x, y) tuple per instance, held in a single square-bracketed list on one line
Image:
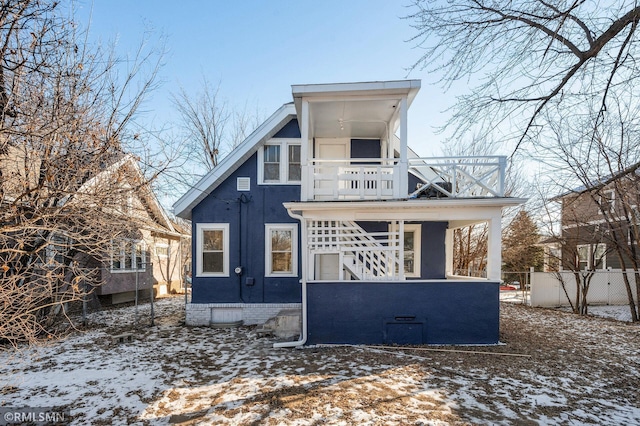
[(328, 267), (327, 185)]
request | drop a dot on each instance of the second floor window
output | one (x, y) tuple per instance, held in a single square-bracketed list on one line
[(279, 162), (607, 202)]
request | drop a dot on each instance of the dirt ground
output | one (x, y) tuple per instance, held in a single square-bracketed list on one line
[(552, 368)]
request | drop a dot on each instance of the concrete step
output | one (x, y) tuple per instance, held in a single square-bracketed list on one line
[(285, 325)]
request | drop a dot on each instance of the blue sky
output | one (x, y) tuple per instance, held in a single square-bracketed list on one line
[(256, 50)]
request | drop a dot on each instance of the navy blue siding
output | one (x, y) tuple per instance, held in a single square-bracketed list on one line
[(290, 130), (403, 313), (432, 250), (246, 219)]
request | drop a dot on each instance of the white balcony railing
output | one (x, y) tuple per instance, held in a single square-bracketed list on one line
[(371, 179), (461, 177), (353, 179)]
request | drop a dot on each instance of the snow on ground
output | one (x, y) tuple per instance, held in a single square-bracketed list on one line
[(574, 371), (615, 312)]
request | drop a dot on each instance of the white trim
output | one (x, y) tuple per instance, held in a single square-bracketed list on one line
[(284, 144), (209, 182), (268, 227), (200, 227)]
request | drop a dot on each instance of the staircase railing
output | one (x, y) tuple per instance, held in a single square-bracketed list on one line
[(364, 255)]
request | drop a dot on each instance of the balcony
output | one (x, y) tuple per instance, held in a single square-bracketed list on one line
[(367, 179)]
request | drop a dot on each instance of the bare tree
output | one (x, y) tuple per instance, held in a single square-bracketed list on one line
[(205, 120), (212, 128), (65, 184), (531, 57)]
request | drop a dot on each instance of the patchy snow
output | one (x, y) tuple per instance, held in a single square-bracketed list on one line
[(615, 312), (578, 371)]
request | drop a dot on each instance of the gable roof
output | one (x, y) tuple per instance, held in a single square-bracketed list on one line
[(182, 208), (111, 173), (601, 182)]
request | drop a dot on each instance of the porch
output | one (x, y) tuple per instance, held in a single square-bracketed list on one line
[(391, 240)]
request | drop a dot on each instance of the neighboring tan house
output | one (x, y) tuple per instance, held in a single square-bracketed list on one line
[(155, 255), (152, 256), (598, 219), (324, 209)]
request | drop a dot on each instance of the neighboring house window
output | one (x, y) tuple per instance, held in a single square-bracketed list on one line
[(600, 256), (583, 256), (212, 247), (56, 250), (281, 248), (128, 256), (592, 256), (162, 250), (607, 201), (633, 229), (279, 162)]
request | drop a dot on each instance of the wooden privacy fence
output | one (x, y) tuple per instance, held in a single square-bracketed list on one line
[(605, 288)]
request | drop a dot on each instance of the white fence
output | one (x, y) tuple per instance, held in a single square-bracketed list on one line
[(606, 288)]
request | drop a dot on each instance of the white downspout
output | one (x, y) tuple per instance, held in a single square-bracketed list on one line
[(303, 336)]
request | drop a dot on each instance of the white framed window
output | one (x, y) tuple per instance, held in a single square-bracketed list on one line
[(608, 201), (590, 254), (412, 239), (128, 256), (281, 249), (633, 223), (162, 250), (279, 162), (212, 249), (412, 249), (600, 256)]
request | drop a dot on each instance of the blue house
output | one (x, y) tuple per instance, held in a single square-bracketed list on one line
[(324, 209)]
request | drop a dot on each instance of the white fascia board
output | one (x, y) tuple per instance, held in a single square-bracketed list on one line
[(393, 87), (182, 208), (445, 210)]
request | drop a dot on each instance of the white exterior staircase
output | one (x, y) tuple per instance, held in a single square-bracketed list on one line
[(363, 255)]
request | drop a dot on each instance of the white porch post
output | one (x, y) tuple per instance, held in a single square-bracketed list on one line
[(307, 177), (448, 252), (404, 152), (494, 254)]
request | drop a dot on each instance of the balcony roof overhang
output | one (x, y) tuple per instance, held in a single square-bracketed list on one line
[(457, 212), (364, 110)]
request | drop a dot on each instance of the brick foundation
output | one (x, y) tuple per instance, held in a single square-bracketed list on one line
[(250, 313)]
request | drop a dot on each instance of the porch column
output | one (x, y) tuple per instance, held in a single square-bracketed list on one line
[(307, 176), (404, 152), (448, 252), (494, 246)]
